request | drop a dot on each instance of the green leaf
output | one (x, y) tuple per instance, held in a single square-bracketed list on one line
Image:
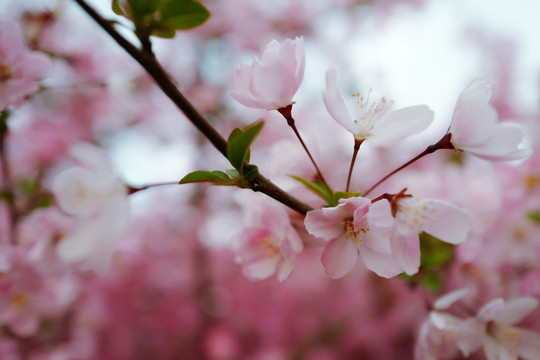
[(434, 252), (239, 142), (45, 201), (117, 8), (233, 173), (250, 172), (28, 187), (141, 8), (203, 176), (431, 281), (182, 14), (534, 216), (345, 195), (318, 188)]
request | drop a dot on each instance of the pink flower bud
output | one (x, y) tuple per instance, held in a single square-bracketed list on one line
[(272, 83)]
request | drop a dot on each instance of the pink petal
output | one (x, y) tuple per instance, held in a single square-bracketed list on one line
[(322, 225), (261, 269), (382, 264), (470, 335), (444, 302), (335, 104), (516, 310), (285, 268), (529, 345), (472, 125), (399, 124), (406, 250), (445, 221), (339, 257)]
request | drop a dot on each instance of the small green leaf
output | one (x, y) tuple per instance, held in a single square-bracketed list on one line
[(201, 176), (345, 195), (250, 172), (141, 8), (318, 188), (7, 196), (117, 8), (534, 216), (431, 281), (182, 14), (28, 187), (239, 142), (233, 173), (221, 174)]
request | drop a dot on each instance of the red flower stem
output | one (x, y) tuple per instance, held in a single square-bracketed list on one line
[(163, 80), (444, 143), (357, 144), (287, 114)]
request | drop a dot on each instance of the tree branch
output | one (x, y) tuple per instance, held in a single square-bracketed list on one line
[(152, 66)]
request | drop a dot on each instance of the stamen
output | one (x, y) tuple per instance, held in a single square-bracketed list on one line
[(268, 247), (351, 233)]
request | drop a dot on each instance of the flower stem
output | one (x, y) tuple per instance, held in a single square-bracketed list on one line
[(133, 190), (444, 143), (357, 144), (287, 114), (163, 80)]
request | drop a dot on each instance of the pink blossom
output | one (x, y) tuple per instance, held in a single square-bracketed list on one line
[(20, 67), (475, 129), (493, 328), (95, 194), (374, 122), (438, 218), (272, 83), (269, 246), (353, 227)]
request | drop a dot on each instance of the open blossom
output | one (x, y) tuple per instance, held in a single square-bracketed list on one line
[(374, 122), (20, 67), (493, 328), (438, 218), (475, 129), (269, 246), (94, 193), (351, 228), (272, 83)]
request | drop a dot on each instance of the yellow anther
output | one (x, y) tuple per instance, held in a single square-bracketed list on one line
[(19, 300), (268, 247), (511, 336)]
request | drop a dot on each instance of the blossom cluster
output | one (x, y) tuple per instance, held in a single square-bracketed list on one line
[(332, 233)]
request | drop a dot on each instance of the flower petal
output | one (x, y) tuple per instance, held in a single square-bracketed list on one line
[(335, 104), (399, 124), (339, 257), (445, 221), (406, 250)]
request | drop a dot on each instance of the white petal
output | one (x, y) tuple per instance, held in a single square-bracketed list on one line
[(262, 268), (334, 102), (382, 264), (285, 268), (401, 123), (516, 310), (444, 302)]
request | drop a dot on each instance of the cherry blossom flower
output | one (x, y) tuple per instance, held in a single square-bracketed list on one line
[(94, 193), (374, 122), (20, 67), (269, 246), (438, 218), (351, 228), (475, 129), (493, 328), (272, 83), (439, 333)]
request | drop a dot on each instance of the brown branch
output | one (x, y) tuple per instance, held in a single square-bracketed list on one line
[(162, 79)]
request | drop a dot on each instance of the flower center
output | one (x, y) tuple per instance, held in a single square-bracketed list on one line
[(268, 247), (351, 233), (368, 113), (510, 336), (20, 300)]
